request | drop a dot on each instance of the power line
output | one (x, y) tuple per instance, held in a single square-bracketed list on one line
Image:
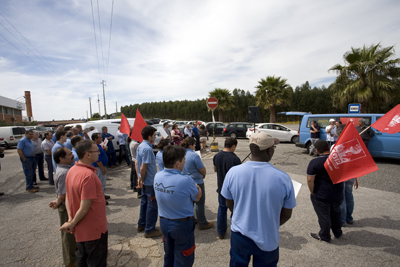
[(95, 39), (101, 38), (109, 41)]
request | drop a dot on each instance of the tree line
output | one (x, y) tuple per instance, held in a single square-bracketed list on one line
[(370, 76)]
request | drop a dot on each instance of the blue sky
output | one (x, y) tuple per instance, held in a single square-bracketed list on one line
[(176, 50)]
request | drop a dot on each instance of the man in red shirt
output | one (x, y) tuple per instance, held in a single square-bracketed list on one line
[(86, 208)]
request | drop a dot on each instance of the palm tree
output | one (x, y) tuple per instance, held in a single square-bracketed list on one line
[(225, 101), (271, 92), (368, 76)]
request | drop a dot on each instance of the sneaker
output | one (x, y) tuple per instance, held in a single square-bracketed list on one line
[(207, 226), (33, 190), (155, 233), (140, 228)]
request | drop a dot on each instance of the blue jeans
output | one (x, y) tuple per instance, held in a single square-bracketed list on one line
[(39, 158), (50, 168), (222, 216), (148, 209), (178, 242), (29, 168), (347, 206), (200, 209), (102, 178), (242, 248)]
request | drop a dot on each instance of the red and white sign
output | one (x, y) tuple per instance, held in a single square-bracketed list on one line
[(390, 123), (212, 103), (349, 157)]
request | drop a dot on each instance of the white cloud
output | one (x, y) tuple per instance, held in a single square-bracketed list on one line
[(169, 50)]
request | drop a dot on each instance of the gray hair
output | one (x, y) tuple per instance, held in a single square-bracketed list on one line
[(362, 120)]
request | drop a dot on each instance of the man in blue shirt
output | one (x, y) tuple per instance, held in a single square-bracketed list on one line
[(74, 142), (54, 138), (261, 198), (101, 163), (112, 156), (175, 193), (80, 130), (26, 152), (67, 143), (147, 169), (61, 139), (196, 135)]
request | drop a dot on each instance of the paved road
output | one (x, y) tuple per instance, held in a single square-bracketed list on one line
[(29, 229)]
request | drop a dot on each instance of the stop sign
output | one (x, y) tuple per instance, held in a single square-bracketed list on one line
[(212, 103)]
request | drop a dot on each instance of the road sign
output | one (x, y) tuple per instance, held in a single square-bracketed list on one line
[(354, 108), (212, 103)]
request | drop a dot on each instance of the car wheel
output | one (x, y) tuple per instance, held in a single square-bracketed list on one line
[(7, 146), (295, 139), (233, 135)]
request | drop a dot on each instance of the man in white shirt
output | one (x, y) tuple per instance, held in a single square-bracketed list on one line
[(122, 147), (331, 132)]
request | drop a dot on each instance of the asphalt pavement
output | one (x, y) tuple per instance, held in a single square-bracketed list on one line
[(29, 233)]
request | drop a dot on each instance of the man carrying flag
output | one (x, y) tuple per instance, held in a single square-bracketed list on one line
[(366, 133), (326, 196)]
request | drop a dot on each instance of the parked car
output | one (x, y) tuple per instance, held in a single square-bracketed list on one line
[(283, 133), (40, 129), (381, 145), (2, 142), (12, 134), (155, 120), (215, 127), (237, 129)]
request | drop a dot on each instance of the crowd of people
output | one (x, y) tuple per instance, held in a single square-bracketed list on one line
[(171, 189)]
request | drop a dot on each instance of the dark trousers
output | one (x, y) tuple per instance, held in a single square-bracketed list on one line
[(197, 142), (67, 239), (39, 160), (112, 158), (178, 242), (29, 168), (49, 168), (93, 253), (222, 216), (122, 150), (329, 217), (134, 179), (242, 248)]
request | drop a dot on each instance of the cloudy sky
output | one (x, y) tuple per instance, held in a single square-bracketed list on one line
[(176, 50)]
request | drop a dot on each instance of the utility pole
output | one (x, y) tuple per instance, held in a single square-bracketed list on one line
[(104, 96), (87, 116), (98, 101), (90, 105), (116, 108)]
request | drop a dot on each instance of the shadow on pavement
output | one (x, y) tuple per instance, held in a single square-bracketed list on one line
[(289, 241), (384, 222)]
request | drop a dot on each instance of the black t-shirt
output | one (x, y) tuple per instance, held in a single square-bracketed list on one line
[(315, 135), (324, 189), (223, 161)]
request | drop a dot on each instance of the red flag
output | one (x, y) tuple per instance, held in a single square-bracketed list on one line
[(139, 124), (124, 127), (390, 122), (349, 157), (346, 120)]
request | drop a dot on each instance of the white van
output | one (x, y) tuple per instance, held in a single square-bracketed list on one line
[(12, 134), (112, 127)]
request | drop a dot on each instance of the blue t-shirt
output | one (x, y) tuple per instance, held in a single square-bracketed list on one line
[(195, 131), (27, 147), (160, 161), (81, 134), (54, 138), (56, 146), (259, 192), (68, 144), (76, 158), (175, 194), (192, 166), (110, 145), (102, 157), (145, 155)]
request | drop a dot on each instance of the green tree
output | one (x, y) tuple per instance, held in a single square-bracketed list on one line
[(225, 101), (271, 92), (95, 116), (369, 76)]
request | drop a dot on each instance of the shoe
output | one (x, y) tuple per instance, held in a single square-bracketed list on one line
[(34, 183), (33, 190), (317, 237), (36, 187), (1, 193), (207, 226), (106, 202), (349, 222), (107, 197), (140, 228), (51, 183), (139, 196), (155, 233), (221, 236), (44, 179)]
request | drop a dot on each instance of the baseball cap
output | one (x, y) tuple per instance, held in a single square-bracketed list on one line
[(263, 140), (331, 120)]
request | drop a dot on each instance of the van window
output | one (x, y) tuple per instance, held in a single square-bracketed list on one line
[(18, 131), (324, 121)]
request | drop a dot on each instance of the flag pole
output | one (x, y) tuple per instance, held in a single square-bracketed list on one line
[(365, 129)]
